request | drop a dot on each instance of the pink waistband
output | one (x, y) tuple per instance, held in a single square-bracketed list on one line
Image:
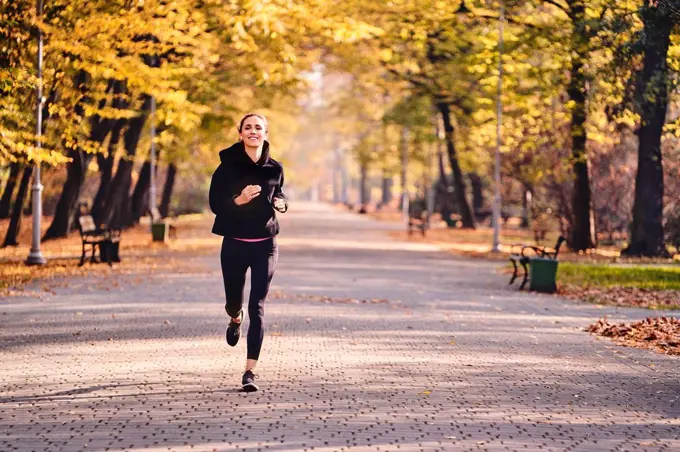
[(252, 240)]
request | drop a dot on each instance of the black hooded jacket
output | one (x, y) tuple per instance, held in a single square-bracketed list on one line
[(253, 220)]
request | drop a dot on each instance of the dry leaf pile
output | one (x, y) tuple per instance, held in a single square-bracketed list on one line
[(660, 333), (624, 296)]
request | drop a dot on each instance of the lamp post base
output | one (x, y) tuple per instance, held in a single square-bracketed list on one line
[(35, 258)]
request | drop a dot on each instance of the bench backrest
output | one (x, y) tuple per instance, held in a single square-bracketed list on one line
[(86, 224), (560, 241)]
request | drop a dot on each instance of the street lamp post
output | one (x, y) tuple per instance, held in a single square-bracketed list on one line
[(499, 121), (35, 256), (152, 162), (404, 173)]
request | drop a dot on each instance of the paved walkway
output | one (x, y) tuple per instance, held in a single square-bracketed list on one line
[(371, 344)]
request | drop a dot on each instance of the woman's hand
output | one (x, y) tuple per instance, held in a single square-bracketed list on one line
[(249, 193), (280, 204)]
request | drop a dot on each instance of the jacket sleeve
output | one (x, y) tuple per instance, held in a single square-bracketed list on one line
[(221, 196), (278, 193)]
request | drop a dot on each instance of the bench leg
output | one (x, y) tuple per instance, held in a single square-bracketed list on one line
[(526, 276), (93, 259), (514, 273)]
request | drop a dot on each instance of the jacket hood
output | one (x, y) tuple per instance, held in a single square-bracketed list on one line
[(237, 153)]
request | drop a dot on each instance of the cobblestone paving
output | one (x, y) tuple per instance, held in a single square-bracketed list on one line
[(371, 345)]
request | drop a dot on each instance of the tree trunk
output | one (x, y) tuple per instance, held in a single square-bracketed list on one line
[(105, 164), (403, 202), (6, 201), (17, 210), (527, 198), (364, 193), (336, 184), (66, 206), (344, 182), (164, 208), (120, 185), (443, 189), (582, 234), (477, 192), (28, 207), (125, 206), (458, 180), (386, 189), (647, 237), (140, 196)]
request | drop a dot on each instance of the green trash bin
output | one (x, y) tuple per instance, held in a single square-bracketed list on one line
[(543, 274), (159, 232)]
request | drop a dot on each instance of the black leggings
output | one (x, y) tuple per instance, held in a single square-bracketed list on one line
[(236, 257)]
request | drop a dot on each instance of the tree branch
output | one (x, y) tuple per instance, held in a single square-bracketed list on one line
[(562, 7)]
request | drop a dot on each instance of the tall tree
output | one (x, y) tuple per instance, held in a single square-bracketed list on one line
[(105, 164), (120, 186), (582, 24), (139, 205), (460, 187), (428, 47), (582, 236), (647, 235)]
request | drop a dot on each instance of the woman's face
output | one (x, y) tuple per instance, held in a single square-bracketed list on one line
[(253, 132)]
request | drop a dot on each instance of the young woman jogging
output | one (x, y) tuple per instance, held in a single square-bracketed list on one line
[(245, 192)]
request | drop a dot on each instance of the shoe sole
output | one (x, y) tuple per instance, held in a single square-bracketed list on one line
[(250, 387), (234, 344), (235, 341), (237, 327)]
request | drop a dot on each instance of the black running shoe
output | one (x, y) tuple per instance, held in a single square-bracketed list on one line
[(248, 382), (234, 331)]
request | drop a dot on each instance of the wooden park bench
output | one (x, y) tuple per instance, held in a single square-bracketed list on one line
[(519, 255), (418, 217), (107, 240)]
